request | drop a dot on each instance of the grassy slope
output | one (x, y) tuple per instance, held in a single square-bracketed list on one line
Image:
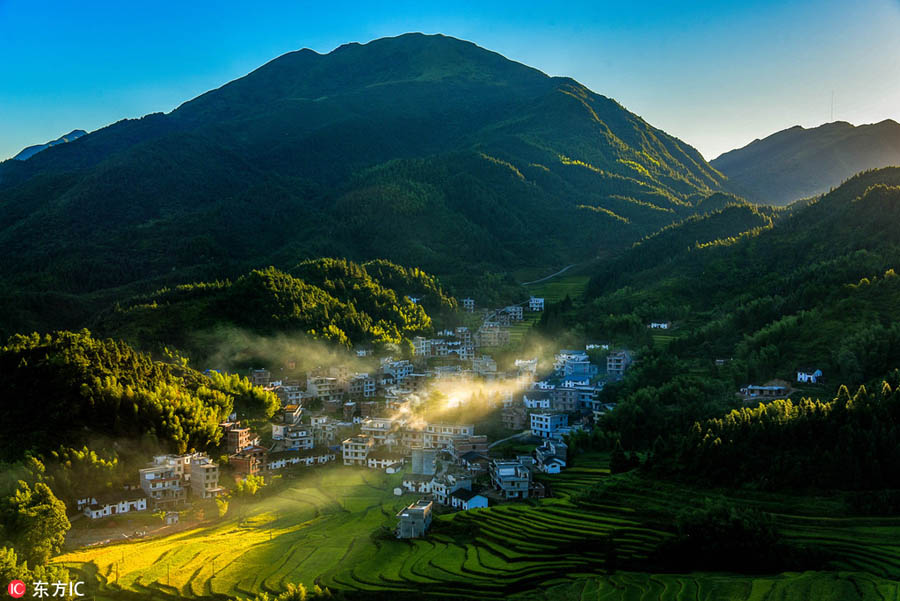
[(319, 528)]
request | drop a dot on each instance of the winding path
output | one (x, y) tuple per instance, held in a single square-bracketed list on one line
[(553, 275)]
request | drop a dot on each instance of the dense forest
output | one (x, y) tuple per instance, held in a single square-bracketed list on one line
[(68, 389), (847, 443), (333, 300)]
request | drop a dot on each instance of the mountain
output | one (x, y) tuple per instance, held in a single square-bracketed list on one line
[(814, 286), (799, 163), (27, 153), (424, 150)]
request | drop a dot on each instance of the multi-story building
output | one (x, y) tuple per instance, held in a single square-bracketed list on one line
[(297, 437), (545, 425), (361, 386), (511, 479), (355, 449), (535, 303), (205, 478), (380, 429), (445, 485), (565, 356), (439, 436), (422, 462), (484, 365), (617, 363), (415, 519), (468, 304), (515, 312), (398, 370), (492, 334), (550, 457), (514, 417), (564, 398), (164, 481), (260, 377), (249, 461), (460, 445), (324, 388), (289, 395), (292, 414), (236, 437), (422, 346)]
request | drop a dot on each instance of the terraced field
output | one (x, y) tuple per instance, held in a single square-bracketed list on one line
[(319, 529), (556, 289)]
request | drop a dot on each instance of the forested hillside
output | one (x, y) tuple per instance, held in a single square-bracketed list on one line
[(424, 150), (67, 389), (805, 289), (333, 300), (846, 443), (800, 163), (814, 287)]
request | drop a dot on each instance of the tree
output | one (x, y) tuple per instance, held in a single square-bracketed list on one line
[(35, 521)]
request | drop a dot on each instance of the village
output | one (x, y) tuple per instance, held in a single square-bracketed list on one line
[(462, 433)]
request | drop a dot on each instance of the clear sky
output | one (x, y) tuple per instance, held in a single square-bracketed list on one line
[(715, 74)]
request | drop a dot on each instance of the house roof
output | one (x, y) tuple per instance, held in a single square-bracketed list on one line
[(465, 495)]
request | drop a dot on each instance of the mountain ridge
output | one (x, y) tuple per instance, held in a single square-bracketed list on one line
[(424, 150), (29, 151), (800, 162)]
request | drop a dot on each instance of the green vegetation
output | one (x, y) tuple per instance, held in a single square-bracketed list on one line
[(849, 443), (323, 527), (812, 287), (425, 150), (327, 299)]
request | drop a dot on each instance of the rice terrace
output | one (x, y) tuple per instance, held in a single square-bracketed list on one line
[(322, 528), (447, 301)]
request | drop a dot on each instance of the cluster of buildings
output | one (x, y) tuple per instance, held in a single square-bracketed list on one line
[(568, 398), (167, 483)]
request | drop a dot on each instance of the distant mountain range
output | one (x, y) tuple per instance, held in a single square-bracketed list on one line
[(27, 153), (799, 163), (425, 150)]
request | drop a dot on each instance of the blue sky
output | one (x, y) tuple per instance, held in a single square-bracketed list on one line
[(716, 74)]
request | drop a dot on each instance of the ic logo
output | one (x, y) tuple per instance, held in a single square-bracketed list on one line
[(16, 589)]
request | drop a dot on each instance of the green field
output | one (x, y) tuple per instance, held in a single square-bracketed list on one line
[(319, 527), (556, 289)]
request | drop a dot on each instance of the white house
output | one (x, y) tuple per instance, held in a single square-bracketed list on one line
[(534, 399), (418, 483), (809, 375), (535, 303), (545, 425), (114, 504), (466, 499), (659, 325)]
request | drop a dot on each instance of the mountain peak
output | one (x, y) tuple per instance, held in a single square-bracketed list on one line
[(798, 163), (27, 153)]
